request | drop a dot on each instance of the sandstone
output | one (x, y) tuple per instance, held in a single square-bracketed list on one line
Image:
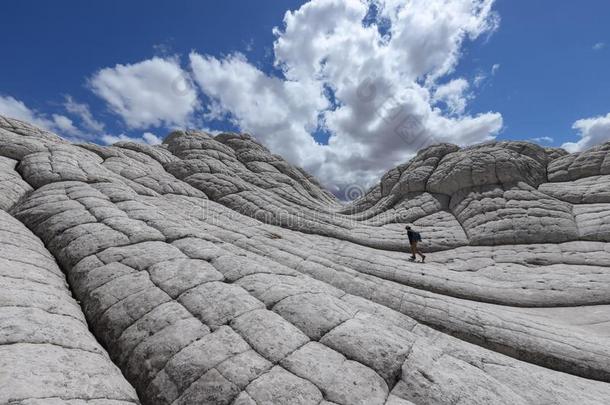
[(208, 270)]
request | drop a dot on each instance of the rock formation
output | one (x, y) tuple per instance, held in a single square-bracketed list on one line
[(209, 271)]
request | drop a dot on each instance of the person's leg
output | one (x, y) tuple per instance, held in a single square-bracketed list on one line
[(416, 249), (413, 250)]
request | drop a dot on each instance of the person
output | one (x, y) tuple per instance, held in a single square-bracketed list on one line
[(414, 238)]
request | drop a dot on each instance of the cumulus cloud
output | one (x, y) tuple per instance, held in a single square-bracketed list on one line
[(374, 75), (599, 46), (151, 138), (453, 95), (150, 93), (111, 139), (65, 125), (83, 112), (281, 113), (147, 138), (542, 139), (13, 108), (592, 131)]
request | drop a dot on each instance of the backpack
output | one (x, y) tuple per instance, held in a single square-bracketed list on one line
[(417, 236)]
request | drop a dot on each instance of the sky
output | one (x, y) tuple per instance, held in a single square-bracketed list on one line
[(346, 89)]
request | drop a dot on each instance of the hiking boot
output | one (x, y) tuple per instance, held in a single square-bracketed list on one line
[(423, 257)]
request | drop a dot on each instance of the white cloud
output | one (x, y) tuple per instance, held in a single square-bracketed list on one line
[(372, 85), (111, 139), (13, 108), (60, 124), (65, 125), (163, 48), (592, 131), (281, 113), (379, 83), (599, 46), (249, 45), (147, 138), (147, 94), (151, 138), (481, 77), (82, 111), (453, 95), (543, 139)]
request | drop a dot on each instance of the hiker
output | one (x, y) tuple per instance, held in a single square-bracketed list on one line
[(414, 237)]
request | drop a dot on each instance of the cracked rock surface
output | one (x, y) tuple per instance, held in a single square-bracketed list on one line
[(207, 270)]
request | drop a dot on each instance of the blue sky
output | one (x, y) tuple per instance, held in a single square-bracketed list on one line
[(51, 48), (550, 75), (539, 71)]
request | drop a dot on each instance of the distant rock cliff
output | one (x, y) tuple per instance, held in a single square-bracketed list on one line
[(209, 271)]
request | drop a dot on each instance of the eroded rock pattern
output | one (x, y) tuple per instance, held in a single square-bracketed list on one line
[(210, 271), (46, 350)]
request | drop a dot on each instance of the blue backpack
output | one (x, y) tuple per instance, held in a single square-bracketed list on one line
[(417, 236)]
